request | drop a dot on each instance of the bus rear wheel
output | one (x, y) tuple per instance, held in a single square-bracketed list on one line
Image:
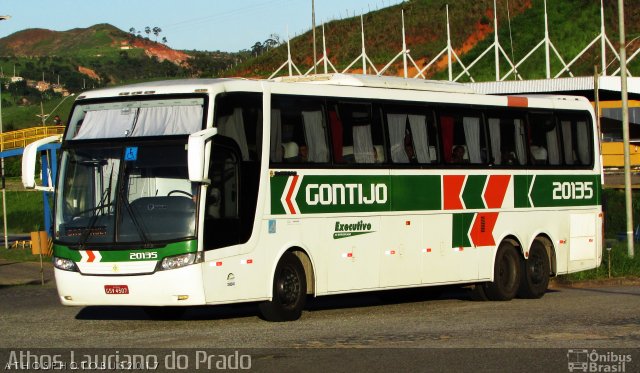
[(506, 275), (289, 291), (535, 273)]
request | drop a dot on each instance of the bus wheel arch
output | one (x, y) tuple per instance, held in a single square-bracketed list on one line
[(307, 264), (289, 288)]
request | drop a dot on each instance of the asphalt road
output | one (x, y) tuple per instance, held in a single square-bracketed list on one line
[(349, 333)]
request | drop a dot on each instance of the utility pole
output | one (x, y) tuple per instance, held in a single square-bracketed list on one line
[(313, 26), (625, 130), (4, 194)]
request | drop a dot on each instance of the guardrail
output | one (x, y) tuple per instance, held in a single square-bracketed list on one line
[(21, 138)]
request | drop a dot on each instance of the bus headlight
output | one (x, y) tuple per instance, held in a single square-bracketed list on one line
[(179, 261), (65, 264)]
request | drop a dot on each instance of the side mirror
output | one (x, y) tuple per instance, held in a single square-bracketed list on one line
[(29, 157), (195, 154)]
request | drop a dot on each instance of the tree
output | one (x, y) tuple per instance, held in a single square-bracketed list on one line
[(156, 31), (132, 35), (147, 30), (164, 40), (270, 43), (257, 48)]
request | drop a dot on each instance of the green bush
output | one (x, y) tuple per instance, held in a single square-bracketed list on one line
[(615, 219)]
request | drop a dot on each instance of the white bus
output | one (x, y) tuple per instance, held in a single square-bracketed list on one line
[(193, 192)]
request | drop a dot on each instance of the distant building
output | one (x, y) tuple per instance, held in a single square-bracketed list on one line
[(43, 86), (15, 79)]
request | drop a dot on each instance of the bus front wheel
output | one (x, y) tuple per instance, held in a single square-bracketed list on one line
[(289, 291), (506, 275), (535, 273)]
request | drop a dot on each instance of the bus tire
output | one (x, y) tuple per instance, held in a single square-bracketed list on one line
[(535, 273), (506, 274), (477, 293), (289, 291)]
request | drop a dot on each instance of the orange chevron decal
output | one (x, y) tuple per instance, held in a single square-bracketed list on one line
[(496, 190), (452, 187), (481, 233)]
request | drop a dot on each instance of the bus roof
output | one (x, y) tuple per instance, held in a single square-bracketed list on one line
[(204, 85), (185, 86), (374, 81)]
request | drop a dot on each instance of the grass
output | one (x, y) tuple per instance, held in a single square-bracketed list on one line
[(21, 255), (621, 265), (24, 211)]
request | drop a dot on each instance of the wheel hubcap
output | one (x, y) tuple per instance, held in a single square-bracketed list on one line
[(536, 265), (288, 286)]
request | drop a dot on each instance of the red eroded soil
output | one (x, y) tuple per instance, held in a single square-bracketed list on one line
[(161, 51), (88, 72)]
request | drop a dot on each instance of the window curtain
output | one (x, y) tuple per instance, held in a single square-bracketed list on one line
[(418, 125), (233, 126), (494, 132), (472, 137), (363, 144), (315, 134), (275, 151), (168, 120), (397, 124), (107, 124), (336, 136), (567, 142), (582, 132), (521, 154), (552, 146), (446, 129)]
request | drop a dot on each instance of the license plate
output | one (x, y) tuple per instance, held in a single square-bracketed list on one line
[(116, 289)]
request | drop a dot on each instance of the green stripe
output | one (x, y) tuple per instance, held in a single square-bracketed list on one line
[(565, 190), (413, 193), (521, 191), (171, 249), (350, 193), (472, 193), (461, 227)]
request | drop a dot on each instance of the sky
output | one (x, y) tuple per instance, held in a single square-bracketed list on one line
[(225, 25)]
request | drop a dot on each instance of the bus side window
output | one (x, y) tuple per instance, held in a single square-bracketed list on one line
[(316, 149), (239, 117), (412, 135), (356, 134), (576, 140), (507, 140), (544, 147), (298, 131), (463, 131)]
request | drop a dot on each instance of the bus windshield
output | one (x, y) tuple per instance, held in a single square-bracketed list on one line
[(125, 194)]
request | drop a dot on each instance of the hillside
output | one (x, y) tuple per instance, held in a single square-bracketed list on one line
[(95, 41), (573, 24), (101, 55)]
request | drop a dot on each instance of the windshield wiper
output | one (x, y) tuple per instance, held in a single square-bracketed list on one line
[(124, 201), (98, 211)]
